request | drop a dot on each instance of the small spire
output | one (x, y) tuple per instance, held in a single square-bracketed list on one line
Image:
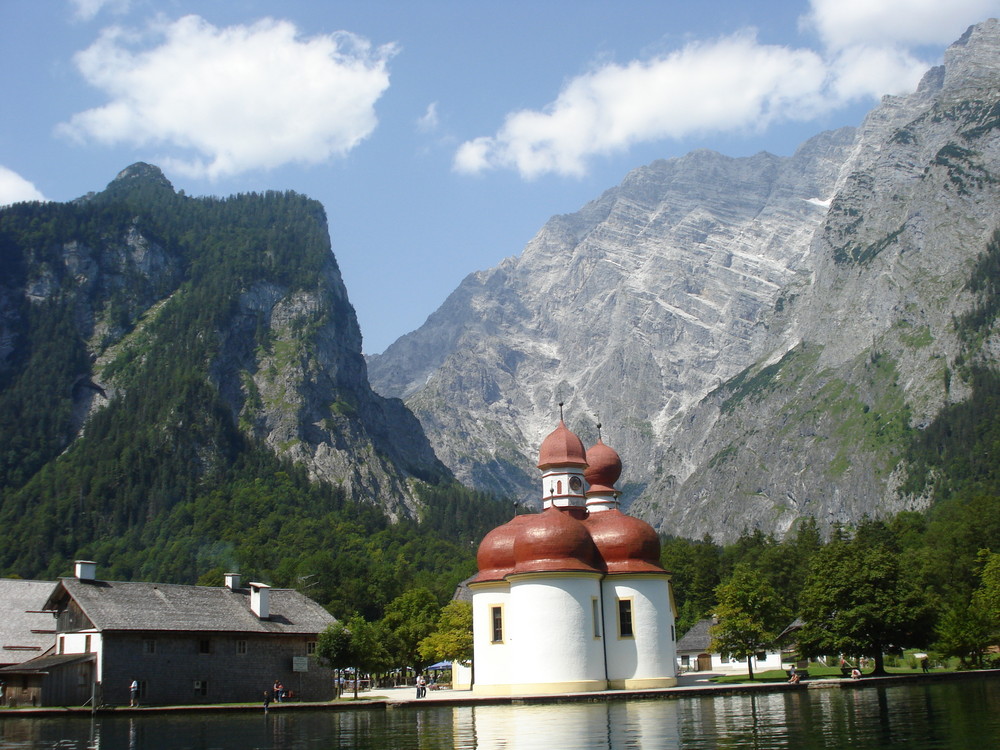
[(560, 411)]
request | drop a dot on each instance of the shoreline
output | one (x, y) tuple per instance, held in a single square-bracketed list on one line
[(689, 685)]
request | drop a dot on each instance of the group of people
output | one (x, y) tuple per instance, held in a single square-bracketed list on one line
[(278, 691), (794, 676), (855, 671), (421, 686)]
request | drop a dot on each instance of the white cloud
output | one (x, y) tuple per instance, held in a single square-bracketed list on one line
[(429, 121), (238, 98), (86, 10), (733, 83), (861, 72), (885, 23), (869, 44), (14, 188)]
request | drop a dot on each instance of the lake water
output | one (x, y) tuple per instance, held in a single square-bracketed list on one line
[(961, 715)]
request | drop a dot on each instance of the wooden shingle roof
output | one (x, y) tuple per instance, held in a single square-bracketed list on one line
[(116, 605), (697, 638), (45, 663), (462, 591), (25, 631)]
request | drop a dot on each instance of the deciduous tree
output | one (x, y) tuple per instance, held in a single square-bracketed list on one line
[(963, 632), (452, 639), (860, 601), (358, 645), (986, 598), (750, 615), (409, 618), (966, 630)]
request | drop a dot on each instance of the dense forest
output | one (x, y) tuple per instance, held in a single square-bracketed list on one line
[(163, 482)]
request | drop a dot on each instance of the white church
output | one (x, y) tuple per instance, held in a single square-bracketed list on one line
[(573, 599)]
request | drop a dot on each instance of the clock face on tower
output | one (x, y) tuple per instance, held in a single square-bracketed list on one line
[(575, 484)]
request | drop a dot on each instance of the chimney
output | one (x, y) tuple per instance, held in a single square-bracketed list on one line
[(86, 570), (260, 600), (232, 581)]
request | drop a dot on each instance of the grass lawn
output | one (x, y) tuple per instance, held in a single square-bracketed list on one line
[(815, 671)]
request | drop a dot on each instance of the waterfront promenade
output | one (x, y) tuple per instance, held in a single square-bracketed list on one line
[(690, 684)]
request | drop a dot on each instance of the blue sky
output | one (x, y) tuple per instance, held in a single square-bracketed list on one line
[(439, 135)]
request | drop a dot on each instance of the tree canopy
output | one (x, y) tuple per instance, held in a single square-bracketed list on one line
[(452, 638), (408, 620), (750, 615), (860, 601), (357, 644)]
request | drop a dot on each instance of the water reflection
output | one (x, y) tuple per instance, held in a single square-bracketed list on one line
[(746, 721), (949, 715), (619, 725)]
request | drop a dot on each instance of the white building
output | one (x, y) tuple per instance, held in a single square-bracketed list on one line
[(693, 654), (573, 598)]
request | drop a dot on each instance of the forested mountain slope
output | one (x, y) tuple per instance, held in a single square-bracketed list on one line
[(182, 390)]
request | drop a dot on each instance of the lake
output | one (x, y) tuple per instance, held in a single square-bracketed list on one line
[(961, 714)]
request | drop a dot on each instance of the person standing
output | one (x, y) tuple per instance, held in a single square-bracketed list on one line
[(133, 692)]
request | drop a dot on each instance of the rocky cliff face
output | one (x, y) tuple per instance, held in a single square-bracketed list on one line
[(306, 394), (254, 308), (756, 335)]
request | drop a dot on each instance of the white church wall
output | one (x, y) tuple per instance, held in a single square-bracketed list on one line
[(461, 676), (647, 658), (553, 633), (491, 658)]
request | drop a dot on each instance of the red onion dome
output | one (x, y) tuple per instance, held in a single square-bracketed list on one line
[(562, 448), (495, 557), (626, 544), (604, 466), (554, 541)]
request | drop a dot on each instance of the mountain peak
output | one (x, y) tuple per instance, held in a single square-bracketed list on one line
[(143, 173), (973, 62)]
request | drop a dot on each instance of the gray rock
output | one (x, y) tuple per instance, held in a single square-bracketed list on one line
[(728, 320)]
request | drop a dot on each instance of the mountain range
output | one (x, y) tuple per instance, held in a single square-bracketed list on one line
[(763, 339), (182, 390)]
